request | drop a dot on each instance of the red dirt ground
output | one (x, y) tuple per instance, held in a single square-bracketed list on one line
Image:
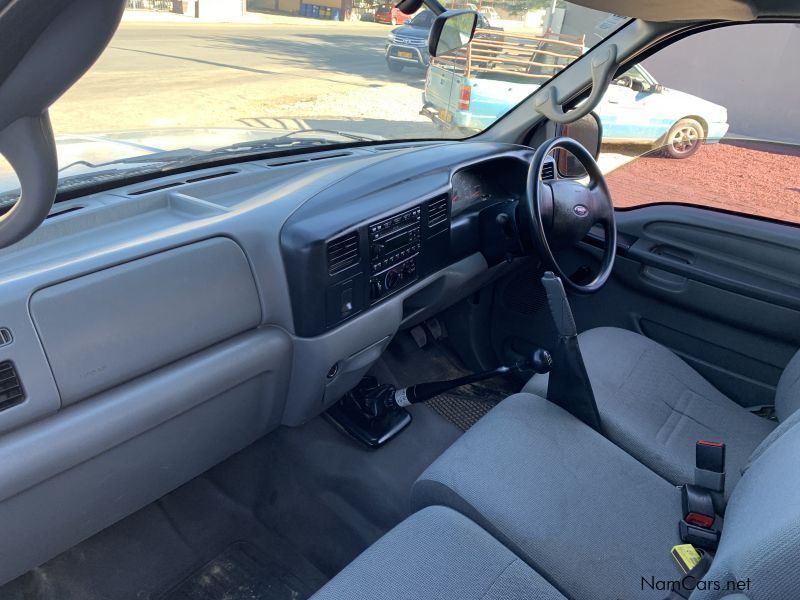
[(726, 176)]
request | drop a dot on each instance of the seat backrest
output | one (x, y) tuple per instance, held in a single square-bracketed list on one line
[(787, 396), (761, 536)]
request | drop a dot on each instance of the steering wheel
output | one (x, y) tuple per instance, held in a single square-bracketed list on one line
[(560, 212), (625, 81)]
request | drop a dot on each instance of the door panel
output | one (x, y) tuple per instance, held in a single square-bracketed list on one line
[(720, 290), (745, 256)]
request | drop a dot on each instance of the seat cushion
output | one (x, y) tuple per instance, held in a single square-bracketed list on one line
[(579, 510), (787, 394), (656, 406), (760, 543), (437, 554)]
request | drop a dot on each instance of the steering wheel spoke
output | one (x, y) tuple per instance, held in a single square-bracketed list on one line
[(562, 211)]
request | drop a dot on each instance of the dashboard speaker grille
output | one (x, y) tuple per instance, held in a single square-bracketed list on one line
[(437, 211), (342, 252), (548, 170), (11, 392)]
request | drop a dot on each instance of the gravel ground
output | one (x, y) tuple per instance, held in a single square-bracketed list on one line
[(726, 176)]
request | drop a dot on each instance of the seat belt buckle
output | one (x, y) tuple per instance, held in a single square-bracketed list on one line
[(698, 506), (709, 470), (701, 537)]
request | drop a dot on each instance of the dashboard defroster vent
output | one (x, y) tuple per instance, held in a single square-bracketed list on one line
[(342, 252), (11, 392), (548, 171), (437, 211)]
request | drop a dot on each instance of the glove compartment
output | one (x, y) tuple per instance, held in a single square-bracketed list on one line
[(108, 327)]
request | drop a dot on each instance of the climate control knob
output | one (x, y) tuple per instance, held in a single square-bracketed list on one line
[(375, 289), (391, 279)]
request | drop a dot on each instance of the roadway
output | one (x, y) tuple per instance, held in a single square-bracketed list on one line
[(293, 73)]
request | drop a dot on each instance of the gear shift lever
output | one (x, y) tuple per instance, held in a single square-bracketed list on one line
[(374, 413), (539, 361)]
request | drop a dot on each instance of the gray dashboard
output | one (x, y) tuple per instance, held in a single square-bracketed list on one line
[(158, 329)]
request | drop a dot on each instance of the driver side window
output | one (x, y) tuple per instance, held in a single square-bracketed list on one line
[(711, 121)]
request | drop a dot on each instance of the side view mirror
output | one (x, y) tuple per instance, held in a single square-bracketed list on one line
[(657, 89), (452, 30), (589, 132)]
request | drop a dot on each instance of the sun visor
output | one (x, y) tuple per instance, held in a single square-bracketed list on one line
[(45, 47), (677, 10)]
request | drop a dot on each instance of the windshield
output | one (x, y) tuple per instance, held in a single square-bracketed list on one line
[(186, 82), (422, 19)]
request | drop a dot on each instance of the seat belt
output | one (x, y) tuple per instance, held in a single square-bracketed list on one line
[(569, 386), (696, 526)]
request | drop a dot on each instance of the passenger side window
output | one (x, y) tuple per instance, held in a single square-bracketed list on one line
[(712, 121)]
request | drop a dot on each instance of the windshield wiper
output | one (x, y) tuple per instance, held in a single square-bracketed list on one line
[(286, 141), (292, 139), (167, 156), (169, 160), (66, 184)]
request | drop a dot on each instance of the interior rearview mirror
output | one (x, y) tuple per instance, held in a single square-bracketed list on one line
[(589, 132), (452, 30), (409, 7)]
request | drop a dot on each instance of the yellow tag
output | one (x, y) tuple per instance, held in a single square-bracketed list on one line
[(686, 557)]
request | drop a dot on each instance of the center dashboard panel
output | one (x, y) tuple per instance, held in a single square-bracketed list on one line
[(364, 266), (376, 233)]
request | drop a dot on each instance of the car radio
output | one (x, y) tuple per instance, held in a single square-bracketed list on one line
[(394, 244)]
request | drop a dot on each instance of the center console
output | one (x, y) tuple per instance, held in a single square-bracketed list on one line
[(366, 263), (394, 245)]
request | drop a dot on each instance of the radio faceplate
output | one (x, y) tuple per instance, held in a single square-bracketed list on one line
[(394, 240), (394, 244)]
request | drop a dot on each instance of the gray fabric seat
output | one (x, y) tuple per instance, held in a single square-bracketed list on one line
[(656, 406), (582, 512), (437, 554), (597, 523)]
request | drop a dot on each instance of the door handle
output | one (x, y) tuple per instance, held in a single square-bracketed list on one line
[(673, 254)]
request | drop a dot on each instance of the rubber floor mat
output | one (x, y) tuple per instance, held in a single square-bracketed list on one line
[(240, 572), (463, 407)]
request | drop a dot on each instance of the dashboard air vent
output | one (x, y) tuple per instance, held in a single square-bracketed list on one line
[(58, 213), (11, 392), (172, 184), (342, 252), (437, 211), (548, 171)]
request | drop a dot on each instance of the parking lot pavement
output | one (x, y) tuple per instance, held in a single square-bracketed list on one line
[(289, 72)]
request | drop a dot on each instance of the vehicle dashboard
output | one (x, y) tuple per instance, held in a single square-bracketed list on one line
[(344, 247), (153, 330)]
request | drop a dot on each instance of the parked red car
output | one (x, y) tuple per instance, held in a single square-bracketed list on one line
[(391, 15)]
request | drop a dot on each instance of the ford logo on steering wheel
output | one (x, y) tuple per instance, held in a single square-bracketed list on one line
[(580, 210)]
